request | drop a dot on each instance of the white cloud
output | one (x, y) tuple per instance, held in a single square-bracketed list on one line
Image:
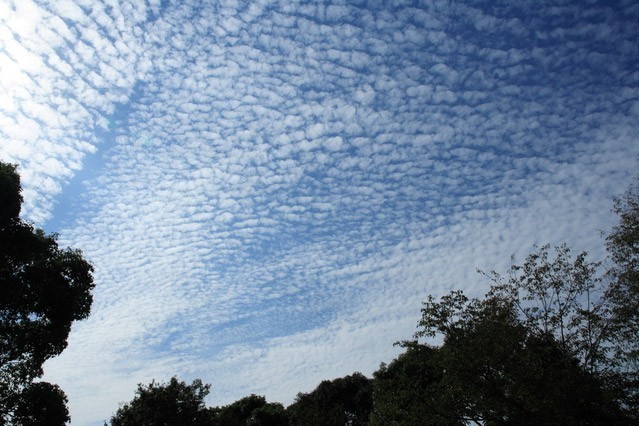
[(334, 143)]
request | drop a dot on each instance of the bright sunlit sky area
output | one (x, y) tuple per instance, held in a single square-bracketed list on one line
[(268, 190)]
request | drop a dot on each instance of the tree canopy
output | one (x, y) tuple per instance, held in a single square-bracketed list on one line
[(251, 410), (622, 296), (495, 368), (166, 404), (177, 403), (43, 290), (346, 400), (41, 404), (405, 390)]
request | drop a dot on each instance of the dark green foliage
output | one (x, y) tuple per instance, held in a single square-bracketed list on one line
[(622, 296), (567, 300), (250, 410), (492, 368), (347, 400), (531, 352), (10, 194), (498, 370), (239, 412), (623, 246), (43, 289), (623, 242), (270, 414), (407, 391), (41, 404), (176, 403), (166, 404), (561, 298)]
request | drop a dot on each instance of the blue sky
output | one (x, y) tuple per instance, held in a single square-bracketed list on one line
[(268, 190)]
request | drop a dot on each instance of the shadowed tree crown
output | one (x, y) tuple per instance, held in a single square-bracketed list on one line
[(43, 289), (166, 404)]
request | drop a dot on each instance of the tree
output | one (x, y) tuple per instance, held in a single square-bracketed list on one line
[(405, 392), (346, 400), (250, 410), (622, 296), (561, 298), (270, 414), (42, 404), (166, 404), (239, 412), (10, 194), (43, 289), (498, 368)]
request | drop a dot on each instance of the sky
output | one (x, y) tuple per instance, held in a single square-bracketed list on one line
[(268, 190)]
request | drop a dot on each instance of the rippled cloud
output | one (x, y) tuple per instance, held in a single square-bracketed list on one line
[(269, 189)]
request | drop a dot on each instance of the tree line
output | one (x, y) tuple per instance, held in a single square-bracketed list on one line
[(555, 340)]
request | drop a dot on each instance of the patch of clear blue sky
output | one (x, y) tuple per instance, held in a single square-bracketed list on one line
[(73, 198)]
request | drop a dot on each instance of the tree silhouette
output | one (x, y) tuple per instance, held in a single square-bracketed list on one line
[(622, 297), (43, 289), (41, 404), (166, 404), (251, 410), (346, 400)]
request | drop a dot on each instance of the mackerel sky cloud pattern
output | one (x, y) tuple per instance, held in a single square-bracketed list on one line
[(268, 190)]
